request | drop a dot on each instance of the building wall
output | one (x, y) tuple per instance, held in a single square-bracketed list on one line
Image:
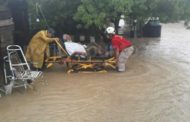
[(6, 35), (19, 12)]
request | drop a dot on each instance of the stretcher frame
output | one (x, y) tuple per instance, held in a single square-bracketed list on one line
[(17, 72), (79, 64)]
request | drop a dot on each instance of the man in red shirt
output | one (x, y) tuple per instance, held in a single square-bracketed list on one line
[(122, 48)]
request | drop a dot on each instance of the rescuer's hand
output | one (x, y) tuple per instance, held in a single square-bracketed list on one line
[(56, 39)]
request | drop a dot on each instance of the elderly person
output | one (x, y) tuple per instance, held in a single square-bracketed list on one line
[(73, 48), (37, 47)]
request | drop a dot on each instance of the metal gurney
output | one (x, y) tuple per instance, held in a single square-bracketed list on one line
[(75, 63), (17, 71)]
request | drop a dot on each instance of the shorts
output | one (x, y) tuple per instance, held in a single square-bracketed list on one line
[(123, 57)]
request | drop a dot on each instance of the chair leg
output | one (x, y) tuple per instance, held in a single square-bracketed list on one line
[(9, 88)]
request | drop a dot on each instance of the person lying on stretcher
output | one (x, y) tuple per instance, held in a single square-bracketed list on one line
[(73, 48)]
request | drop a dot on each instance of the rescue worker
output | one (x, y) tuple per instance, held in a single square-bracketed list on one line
[(123, 48), (38, 45)]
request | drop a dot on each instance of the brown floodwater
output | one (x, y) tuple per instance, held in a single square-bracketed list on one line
[(155, 88)]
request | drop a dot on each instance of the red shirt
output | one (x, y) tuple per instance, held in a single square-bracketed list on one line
[(120, 43)]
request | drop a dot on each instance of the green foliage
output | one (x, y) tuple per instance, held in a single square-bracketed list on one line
[(57, 13), (186, 6), (169, 10), (95, 12), (88, 13), (166, 10)]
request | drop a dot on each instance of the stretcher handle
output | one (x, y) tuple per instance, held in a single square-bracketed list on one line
[(60, 46), (13, 47)]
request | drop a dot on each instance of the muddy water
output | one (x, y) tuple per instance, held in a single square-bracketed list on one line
[(155, 88)]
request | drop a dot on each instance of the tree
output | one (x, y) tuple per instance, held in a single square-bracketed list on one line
[(169, 10), (166, 10), (95, 12), (56, 13), (186, 14), (66, 14)]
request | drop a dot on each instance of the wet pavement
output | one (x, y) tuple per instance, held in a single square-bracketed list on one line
[(155, 88)]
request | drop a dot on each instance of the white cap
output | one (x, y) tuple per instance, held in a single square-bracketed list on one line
[(122, 16)]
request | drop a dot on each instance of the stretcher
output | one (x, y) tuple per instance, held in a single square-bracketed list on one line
[(17, 72), (77, 63)]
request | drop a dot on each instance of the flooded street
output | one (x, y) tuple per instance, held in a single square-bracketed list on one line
[(155, 88)]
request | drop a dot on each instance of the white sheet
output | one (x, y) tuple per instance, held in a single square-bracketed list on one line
[(73, 47)]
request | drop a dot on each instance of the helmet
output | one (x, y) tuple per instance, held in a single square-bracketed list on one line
[(110, 30)]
